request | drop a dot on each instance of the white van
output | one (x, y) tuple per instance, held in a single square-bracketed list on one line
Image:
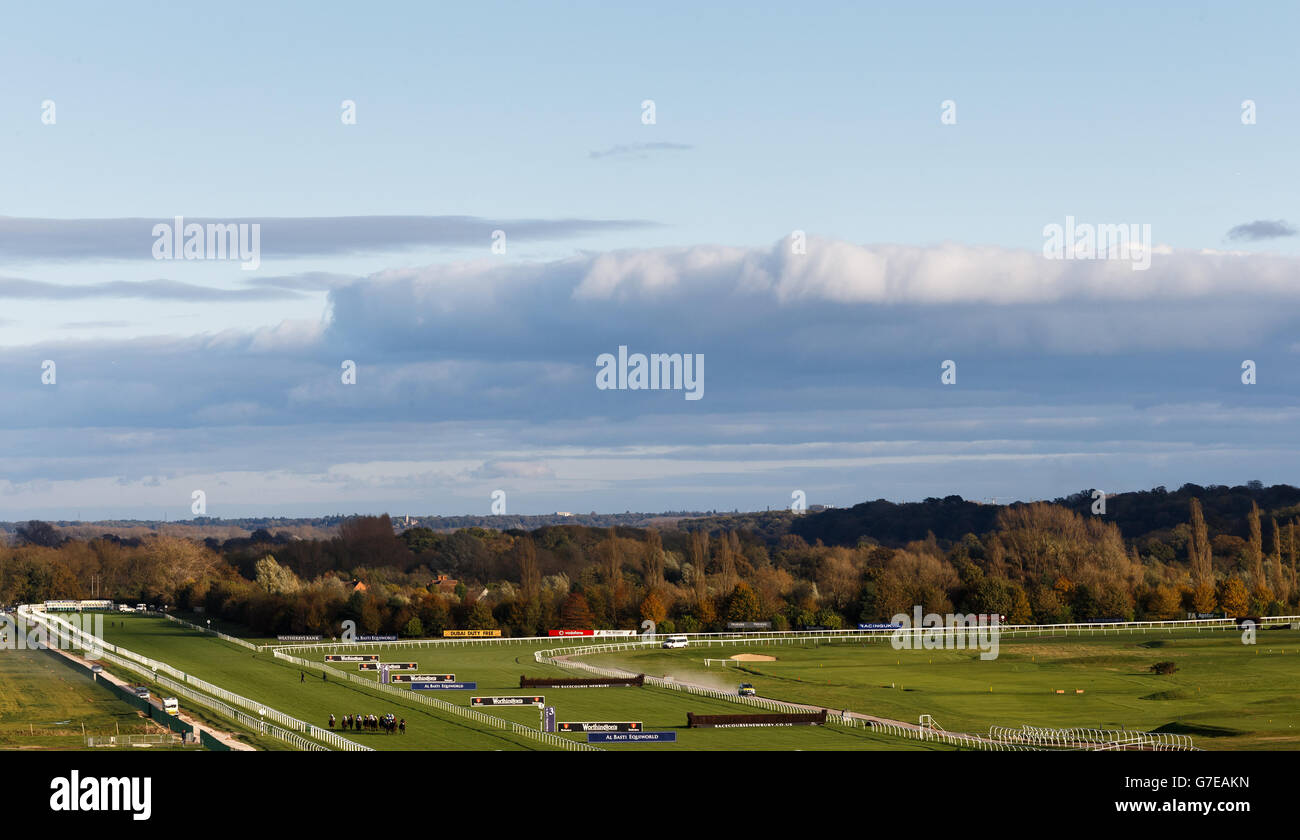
[(675, 642)]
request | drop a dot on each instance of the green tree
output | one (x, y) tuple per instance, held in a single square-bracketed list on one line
[(743, 604), (420, 539), (480, 617), (829, 618), (435, 617)]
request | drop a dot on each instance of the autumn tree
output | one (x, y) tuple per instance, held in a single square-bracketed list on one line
[(1162, 603), (370, 541), (530, 575), (1204, 598), (838, 578), (274, 579), (1198, 548), (1020, 612), (611, 554), (576, 613), (1277, 578), (728, 552), (1255, 547), (699, 549), (1233, 598), (652, 609), (652, 560), (1291, 555)]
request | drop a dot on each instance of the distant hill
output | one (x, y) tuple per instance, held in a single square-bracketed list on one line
[(202, 527), (1137, 514), (894, 524)]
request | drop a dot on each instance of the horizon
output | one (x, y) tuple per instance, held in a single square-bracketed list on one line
[(682, 513)]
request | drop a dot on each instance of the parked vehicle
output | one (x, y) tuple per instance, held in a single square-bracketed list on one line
[(675, 642), (747, 690)]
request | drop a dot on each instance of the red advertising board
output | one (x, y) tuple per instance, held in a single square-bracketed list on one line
[(572, 632)]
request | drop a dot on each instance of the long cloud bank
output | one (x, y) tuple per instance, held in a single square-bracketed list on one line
[(133, 239), (492, 365)]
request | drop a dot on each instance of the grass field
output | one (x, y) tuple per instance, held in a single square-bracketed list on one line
[(496, 669), (1226, 695), (44, 704)]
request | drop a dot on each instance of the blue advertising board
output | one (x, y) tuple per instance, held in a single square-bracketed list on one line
[(631, 737), (427, 686)]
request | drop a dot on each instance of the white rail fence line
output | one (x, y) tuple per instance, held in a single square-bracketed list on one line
[(549, 738), (257, 724), (140, 663), (956, 739), (195, 696), (1094, 739), (223, 636), (796, 636), (324, 734)]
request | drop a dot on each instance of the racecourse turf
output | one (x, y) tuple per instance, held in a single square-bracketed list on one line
[(496, 668), (44, 704), (1225, 694)]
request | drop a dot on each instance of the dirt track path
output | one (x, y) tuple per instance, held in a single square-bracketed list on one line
[(856, 715)]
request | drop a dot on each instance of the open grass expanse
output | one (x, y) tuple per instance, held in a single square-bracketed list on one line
[(44, 704), (265, 679), (1226, 695), (496, 669)]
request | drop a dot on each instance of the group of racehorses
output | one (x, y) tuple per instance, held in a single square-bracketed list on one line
[(388, 724)]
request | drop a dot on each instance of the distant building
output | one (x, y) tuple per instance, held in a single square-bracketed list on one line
[(359, 587), (563, 513), (444, 585)]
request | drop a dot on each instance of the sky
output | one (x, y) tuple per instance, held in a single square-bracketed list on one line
[(836, 205)]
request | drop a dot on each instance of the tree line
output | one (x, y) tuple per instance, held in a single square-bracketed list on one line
[(1042, 562)]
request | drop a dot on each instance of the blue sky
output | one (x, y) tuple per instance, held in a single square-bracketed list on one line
[(476, 369)]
